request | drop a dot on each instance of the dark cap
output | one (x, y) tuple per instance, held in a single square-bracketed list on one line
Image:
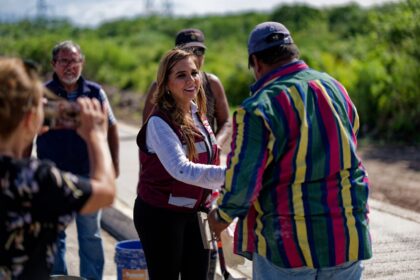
[(190, 38), (266, 35)]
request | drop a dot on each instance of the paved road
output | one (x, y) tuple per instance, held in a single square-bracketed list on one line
[(127, 181), (395, 232)]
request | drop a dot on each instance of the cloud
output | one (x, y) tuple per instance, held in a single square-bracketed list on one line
[(93, 12)]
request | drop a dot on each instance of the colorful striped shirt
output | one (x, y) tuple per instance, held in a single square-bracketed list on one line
[(294, 178)]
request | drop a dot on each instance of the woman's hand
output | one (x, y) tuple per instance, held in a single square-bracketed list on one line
[(92, 119)]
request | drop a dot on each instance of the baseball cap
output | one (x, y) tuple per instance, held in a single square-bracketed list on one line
[(190, 38), (266, 35)]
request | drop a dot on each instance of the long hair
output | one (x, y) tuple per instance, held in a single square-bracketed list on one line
[(166, 103)]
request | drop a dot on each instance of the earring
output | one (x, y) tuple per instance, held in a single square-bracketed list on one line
[(168, 92)]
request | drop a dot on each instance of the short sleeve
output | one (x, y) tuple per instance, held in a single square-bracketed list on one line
[(60, 193), (104, 99)]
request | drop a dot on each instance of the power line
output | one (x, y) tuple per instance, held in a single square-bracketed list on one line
[(41, 9), (148, 7), (162, 7), (168, 7)]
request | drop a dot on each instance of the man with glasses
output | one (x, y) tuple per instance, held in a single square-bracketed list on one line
[(68, 150), (294, 178)]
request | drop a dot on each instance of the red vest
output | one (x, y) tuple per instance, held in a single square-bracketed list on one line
[(156, 185)]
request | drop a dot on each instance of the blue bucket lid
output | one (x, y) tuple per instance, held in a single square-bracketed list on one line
[(129, 245)]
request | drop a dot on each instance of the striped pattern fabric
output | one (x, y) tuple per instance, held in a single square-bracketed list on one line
[(294, 178)]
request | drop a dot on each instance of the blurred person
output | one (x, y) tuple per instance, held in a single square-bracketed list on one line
[(179, 157), (38, 200), (217, 105), (69, 152), (294, 178)]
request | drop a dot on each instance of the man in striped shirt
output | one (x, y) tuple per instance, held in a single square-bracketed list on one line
[(294, 178)]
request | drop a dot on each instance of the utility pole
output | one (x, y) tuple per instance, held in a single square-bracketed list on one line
[(148, 7), (41, 9), (168, 7)]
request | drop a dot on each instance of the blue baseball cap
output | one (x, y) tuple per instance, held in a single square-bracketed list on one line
[(266, 35)]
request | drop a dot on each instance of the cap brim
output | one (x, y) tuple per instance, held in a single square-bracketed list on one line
[(193, 44)]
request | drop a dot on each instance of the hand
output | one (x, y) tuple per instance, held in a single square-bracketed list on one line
[(92, 118), (43, 129), (217, 225), (60, 114)]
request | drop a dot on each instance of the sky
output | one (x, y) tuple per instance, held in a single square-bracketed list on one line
[(94, 12)]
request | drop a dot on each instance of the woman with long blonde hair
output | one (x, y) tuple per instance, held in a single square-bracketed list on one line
[(179, 170)]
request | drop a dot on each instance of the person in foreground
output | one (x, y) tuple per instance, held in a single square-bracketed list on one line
[(294, 178), (68, 151), (217, 107), (179, 157), (37, 200)]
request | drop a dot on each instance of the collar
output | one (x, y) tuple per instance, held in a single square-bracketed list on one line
[(194, 108), (81, 85), (279, 72)]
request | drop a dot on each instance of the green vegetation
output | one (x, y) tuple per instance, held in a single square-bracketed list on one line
[(374, 52)]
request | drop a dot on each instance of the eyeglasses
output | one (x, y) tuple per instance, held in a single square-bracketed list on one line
[(67, 62), (197, 51)]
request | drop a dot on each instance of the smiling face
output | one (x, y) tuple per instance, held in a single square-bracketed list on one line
[(68, 65), (184, 82)]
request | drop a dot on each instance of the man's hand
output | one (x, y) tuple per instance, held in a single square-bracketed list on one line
[(217, 225)]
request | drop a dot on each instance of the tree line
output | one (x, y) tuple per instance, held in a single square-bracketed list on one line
[(373, 51)]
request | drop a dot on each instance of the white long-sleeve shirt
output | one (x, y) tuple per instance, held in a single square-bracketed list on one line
[(163, 141)]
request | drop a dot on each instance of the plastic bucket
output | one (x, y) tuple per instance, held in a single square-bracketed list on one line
[(130, 260)]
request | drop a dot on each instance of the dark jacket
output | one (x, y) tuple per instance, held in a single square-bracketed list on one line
[(64, 146)]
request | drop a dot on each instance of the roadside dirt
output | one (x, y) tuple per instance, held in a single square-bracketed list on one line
[(394, 174)]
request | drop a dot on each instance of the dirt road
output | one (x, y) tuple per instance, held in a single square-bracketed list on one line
[(394, 173)]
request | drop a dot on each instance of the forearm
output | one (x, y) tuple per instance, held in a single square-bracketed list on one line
[(148, 104), (102, 174), (221, 111), (100, 158), (114, 148), (163, 141), (172, 157), (93, 130), (223, 134), (202, 175)]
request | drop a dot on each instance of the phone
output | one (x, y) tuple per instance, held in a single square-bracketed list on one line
[(61, 114)]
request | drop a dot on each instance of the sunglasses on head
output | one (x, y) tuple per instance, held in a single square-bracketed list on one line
[(31, 67), (197, 51)]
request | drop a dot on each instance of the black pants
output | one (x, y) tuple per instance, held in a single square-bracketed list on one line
[(171, 242)]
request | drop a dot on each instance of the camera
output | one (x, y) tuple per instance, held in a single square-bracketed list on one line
[(61, 114)]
